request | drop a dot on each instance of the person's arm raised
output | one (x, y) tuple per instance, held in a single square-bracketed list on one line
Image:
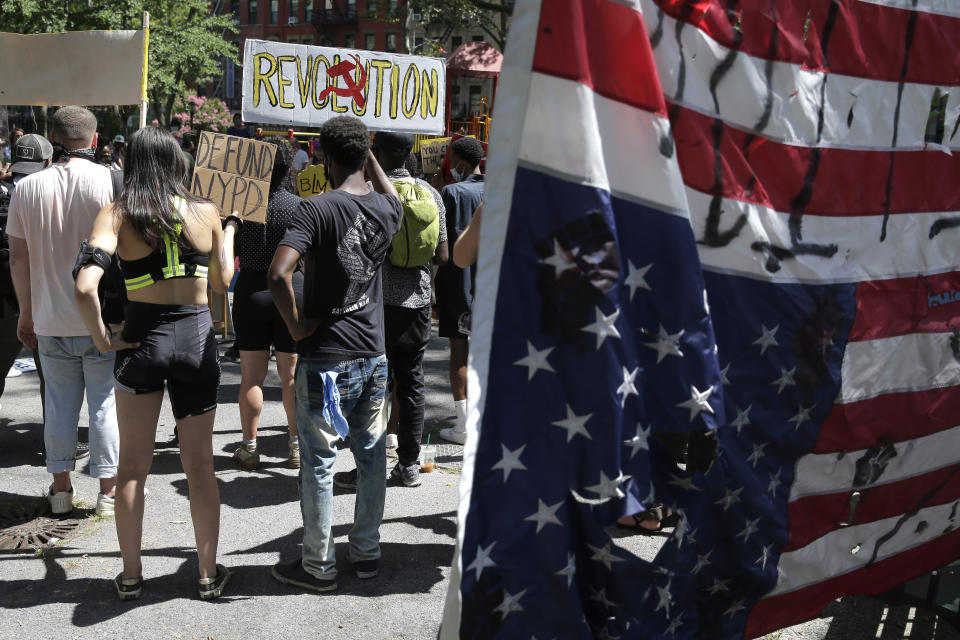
[(381, 183)]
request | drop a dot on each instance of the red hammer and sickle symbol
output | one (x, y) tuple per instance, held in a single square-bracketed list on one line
[(354, 90)]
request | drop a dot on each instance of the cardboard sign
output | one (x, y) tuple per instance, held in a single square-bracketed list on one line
[(312, 181), (431, 154), (234, 173), (301, 85)]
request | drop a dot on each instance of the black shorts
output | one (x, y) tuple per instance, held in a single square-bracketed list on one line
[(453, 321), (256, 320), (178, 347)]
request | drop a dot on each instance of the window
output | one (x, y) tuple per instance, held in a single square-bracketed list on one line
[(351, 8), (370, 41), (477, 38), (349, 40), (252, 13), (306, 40), (274, 11), (293, 39), (393, 5), (417, 43), (455, 42), (294, 10), (308, 11), (391, 42), (474, 96)]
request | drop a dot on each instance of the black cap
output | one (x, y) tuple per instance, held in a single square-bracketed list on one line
[(30, 154)]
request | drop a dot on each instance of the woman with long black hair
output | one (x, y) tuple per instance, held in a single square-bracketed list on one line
[(169, 245)]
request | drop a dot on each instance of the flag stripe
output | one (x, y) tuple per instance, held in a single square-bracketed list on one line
[(847, 182), (598, 43), (925, 304), (578, 135), (772, 613), (815, 516), (857, 113), (937, 7), (826, 473), (851, 548), (893, 417), (796, 36), (913, 362), (858, 253)]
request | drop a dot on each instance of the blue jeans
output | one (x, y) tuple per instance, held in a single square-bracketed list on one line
[(362, 386), (72, 366)]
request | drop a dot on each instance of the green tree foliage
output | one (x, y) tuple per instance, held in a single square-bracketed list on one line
[(186, 41), (441, 17)]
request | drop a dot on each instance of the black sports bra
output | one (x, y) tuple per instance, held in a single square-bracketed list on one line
[(169, 260)]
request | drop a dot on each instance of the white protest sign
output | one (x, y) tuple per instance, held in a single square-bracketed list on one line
[(300, 85)]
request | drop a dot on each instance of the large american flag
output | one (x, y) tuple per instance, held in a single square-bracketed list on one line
[(724, 216)]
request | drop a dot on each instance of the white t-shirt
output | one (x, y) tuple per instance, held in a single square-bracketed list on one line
[(300, 159), (53, 210)]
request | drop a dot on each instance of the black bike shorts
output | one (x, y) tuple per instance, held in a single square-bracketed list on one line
[(256, 320), (178, 347)]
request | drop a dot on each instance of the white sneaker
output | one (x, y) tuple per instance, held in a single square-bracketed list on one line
[(105, 505), (451, 434), (60, 502), (391, 441), (14, 373)]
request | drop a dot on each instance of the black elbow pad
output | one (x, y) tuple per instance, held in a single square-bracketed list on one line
[(91, 255)]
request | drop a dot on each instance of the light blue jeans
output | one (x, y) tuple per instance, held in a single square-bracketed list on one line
[(362, 385), (71, 366)]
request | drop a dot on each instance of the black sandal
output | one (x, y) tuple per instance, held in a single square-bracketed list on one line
[(128, 588), (670, 519), (211, 588)]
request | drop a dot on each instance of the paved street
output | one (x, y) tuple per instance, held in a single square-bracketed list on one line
[(64, 590)]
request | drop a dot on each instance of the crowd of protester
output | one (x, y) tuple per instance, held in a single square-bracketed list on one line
[(106, 263)]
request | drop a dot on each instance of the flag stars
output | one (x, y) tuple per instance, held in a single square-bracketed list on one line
[(636, 278), (742, 419), (601, 597), (735, 608), (785, 380), (482, 560), (718, 586), (666, 344), (627, 388), (775, 483), (639, 441), (604, 556), (664, 599), (569, 570), (756, 454), (535, 360), (574, 424), (559, 261), (767, 338), (724, 375), (510, 604), (750, 529), (764, 557), (684, 483), (603, 326), (510, 461), (803, 415), (729, 498), (545, 514), (702, 562), (697, 402), (608, 488)]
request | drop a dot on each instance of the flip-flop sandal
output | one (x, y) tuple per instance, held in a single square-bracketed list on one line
[(636, 527), (128, 588)]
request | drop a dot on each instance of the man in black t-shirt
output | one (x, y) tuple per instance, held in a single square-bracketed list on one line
[(343, 237)]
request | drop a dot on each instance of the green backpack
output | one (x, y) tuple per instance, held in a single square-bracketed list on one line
[(416, 241)]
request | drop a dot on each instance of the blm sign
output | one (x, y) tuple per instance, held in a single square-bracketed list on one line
[(234, 173), (301, 85)]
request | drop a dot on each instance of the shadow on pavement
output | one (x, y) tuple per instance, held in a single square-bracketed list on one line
[(865, 617)]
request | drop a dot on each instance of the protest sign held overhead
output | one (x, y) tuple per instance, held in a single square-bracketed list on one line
[(234, 173), (301, 85)]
